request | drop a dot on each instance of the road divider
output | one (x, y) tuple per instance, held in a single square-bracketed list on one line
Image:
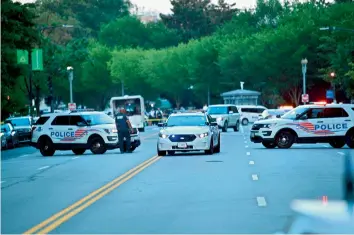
[(57, 219)]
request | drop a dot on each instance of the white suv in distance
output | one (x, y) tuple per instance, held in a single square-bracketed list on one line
[(332, 123), (77, 131), (250, 113), (185, 132), (226, 115)]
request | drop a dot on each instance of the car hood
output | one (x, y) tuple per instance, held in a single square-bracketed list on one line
[(185, 130), (273, 120), (22, 127), (218, 115)]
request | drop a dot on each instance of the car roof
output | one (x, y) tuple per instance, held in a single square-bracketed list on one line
[(251, 106), (328, 105), (221, 105), (188, 114), (13, 118), (68, 113)]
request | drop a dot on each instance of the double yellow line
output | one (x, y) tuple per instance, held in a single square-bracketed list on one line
[(59, 218)]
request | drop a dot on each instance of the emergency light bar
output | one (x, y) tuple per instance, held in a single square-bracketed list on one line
[(286, 107), (81, 110)]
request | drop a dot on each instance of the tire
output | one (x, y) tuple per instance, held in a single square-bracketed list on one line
[(161, 153), (269, 145), (245, 121), (79, 151), (237, 127), (217, 147), (210, 151), (97, 145), (349, 139), (171, 152), (284, 139), (224, 128), (141, 129), (46, 147), (132, 148)]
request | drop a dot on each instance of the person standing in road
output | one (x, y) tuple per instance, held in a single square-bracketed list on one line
[(123, 127)]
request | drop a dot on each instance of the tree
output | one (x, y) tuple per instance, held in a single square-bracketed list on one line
[(20, 17)]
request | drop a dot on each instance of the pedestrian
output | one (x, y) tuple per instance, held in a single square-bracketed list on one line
[(123, 127), (205, 107)]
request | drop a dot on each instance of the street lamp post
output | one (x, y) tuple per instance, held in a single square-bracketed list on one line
[(333, 75), (304, 70), (71, 78)]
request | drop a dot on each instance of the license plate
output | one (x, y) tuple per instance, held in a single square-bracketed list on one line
[(252, 134), (182, 145)]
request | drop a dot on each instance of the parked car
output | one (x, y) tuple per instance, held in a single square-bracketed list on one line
[(23, 127), (226, 115), (272, 113), (9, 137)]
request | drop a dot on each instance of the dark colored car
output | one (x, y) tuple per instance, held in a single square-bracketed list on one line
[(23, 127), (9, 137)]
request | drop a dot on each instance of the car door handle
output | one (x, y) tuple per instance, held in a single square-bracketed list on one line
[(50, 128), (70, 129), (347, 120), (320, 122)]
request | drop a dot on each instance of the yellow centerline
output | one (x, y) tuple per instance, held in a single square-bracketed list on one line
[(93, 200), (101, 191)]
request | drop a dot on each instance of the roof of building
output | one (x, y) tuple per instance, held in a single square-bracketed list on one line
[(239, 92)]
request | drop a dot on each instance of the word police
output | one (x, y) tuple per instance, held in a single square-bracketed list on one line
[(333, 126), (62, 134)]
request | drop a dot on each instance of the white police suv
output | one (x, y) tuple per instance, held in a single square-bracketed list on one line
[(329, 123), (77, 131)]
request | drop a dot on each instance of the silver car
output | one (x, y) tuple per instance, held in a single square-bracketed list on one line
[(226, 115), (185, 132)]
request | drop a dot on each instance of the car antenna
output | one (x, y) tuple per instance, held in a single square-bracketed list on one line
[(348, 183)]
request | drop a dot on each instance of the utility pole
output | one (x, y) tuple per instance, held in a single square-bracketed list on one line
[(71, 78), (30, 82)]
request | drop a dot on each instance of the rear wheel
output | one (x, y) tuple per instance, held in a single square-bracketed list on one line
[(225, 127), (79, 151), (237, 127), (217, 147), (46, 147), (97, 145), (284, 139), (245, 121), (269, 145)]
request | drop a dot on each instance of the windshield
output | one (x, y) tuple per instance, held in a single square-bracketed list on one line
[(294, 113), (5, 128), (20, 122), (217, 110), (186, 121), (98, 119)]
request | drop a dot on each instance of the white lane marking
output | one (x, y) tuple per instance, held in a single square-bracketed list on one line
[(2, 182), (75, 158), (261, 201), (42, 168), (248, 153), (242, 130), (251, 162), (246, 146), (341, 153), (254, 177)]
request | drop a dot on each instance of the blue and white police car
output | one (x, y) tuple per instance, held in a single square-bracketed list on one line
[(77, 131), (327, 123)]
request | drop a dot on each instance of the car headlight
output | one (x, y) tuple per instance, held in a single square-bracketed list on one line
[(269, 125), (163, 136), (109, 131), (203, 135), (219, 119)]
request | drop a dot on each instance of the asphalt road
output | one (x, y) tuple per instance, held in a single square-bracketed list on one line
[(244, 189)]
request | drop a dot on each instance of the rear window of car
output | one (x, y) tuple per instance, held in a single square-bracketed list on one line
[(42, 120)]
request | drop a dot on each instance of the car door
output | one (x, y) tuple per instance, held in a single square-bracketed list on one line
[(236, 114), (230, 114), (213, 129), (310, 124), (79, 131), (59, 130), (338, 121)]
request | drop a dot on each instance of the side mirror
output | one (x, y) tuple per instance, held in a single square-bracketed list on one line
[(81, 124), (278, 116), (88, 122), (213, 124), (231, 112)]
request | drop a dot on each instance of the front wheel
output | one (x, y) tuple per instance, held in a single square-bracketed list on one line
[(269, 145), (141, 129), (79, 151), (284, 140), (226, 125), (210, 151), (161, 153), (237, 127), (217, 147), (337, 144), (350, 139), (97, 146), (46, 147)]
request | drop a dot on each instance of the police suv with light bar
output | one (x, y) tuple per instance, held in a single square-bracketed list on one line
[(77, 131), (328, 123)]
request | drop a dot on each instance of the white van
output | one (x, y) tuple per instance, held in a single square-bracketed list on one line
[(250, 113)]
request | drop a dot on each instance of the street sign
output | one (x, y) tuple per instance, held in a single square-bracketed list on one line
[(72, 106), (330, 94), (22, 56), (37, 59), (305, 98)]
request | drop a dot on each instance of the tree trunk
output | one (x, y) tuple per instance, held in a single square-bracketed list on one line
[(37, 99), (295, 95)]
